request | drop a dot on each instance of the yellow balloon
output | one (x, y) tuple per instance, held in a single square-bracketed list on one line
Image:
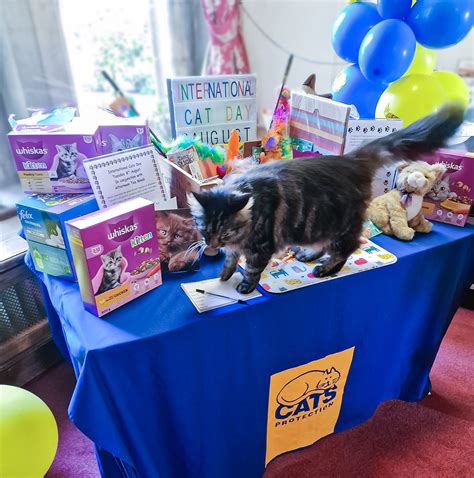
[(411, 98), (28, 434), (454, 86), (423, 62)]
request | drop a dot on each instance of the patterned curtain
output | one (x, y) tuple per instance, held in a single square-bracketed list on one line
[(226, 52)]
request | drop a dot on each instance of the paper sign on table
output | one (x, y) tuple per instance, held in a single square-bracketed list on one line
[(205, 302), (118, 177)]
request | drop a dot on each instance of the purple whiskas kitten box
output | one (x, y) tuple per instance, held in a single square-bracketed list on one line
[(49, 159), (116, 254)]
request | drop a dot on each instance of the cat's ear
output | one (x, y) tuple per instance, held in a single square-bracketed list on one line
[(197, 202), (188, 221), (74, 147), (59, 148), (438, 170), (241, 202), (333, 370), (104, 258), (114, 139), (137, 139), (119, 248)]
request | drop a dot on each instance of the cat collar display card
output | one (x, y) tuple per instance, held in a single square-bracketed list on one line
[(116, 255), (50, 159), (180, 242), (287, 273), (125, 175), (43, 218), (452, 196)]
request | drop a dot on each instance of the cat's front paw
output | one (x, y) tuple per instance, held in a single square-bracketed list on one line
[(227, 273), (245, 286), (327, 267), (307, 254)]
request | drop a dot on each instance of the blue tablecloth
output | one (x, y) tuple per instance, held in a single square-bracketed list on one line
[(168, 392)]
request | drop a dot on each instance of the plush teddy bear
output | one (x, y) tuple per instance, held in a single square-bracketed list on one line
[(398, 212)]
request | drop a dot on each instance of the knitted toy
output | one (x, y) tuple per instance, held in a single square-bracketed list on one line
[(398, 213)]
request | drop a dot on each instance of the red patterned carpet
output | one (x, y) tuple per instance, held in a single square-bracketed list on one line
[(433, 438)]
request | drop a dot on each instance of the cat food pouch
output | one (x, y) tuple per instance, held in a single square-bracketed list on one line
[(451, 198), (43, 218), (116, 254), (49, 159)]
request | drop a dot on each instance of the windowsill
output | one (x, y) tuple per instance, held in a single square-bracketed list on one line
[(12, 246)]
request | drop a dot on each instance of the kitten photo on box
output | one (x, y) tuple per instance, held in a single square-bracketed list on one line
[(179, 241)]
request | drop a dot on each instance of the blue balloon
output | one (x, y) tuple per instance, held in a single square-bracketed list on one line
[(352, 88), (394, 8), (351, 26), (441, 23), (387, 51)]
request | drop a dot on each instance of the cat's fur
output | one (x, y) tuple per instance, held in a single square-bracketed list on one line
[(441, 191), (316, 202), (67, 160), (306, 385), (176, 236), (111, 264), (121, 144)]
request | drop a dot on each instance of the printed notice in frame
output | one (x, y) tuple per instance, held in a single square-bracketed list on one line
[(125, 175)]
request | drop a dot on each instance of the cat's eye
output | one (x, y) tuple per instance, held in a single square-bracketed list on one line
[(162, 232), (177, 236)]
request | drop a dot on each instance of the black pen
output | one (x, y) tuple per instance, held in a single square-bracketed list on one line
[(239, 301)]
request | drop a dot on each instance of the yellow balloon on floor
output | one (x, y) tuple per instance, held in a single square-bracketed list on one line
[(423, 62), (454, 86), (411, 98), (28, 434)]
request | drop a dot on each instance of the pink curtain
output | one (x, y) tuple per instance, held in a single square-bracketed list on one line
[(226, 52)]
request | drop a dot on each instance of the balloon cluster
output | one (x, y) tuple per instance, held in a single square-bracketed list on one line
[(389, 46)]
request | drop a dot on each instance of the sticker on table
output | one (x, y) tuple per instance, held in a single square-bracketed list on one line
[(304, 402), (285, 274)]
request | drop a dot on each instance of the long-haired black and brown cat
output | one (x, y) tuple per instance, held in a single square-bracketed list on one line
[(318, 203)]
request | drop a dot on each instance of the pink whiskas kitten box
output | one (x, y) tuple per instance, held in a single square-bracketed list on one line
[(452, 196), (115, 254), (49, 159)]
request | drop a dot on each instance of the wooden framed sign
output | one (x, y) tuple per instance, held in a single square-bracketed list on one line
[(210, 107)]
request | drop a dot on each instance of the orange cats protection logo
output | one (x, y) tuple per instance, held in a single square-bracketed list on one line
[(304, 402)]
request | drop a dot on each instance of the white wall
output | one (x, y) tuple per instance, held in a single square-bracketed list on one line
[(304, 27)]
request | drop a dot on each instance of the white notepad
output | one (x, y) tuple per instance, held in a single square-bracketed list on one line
[(205, 302)]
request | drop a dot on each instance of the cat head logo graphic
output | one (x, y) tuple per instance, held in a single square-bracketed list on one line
[(122, 230), (32, 150)]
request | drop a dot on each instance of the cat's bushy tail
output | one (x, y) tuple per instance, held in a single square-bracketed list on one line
[(422, 136)]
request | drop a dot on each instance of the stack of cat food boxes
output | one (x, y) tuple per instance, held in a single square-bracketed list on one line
[(112, 253)]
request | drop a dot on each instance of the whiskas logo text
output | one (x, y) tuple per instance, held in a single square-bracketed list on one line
[(304, 402), (122, 230), (31, 152), (451, 165)]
